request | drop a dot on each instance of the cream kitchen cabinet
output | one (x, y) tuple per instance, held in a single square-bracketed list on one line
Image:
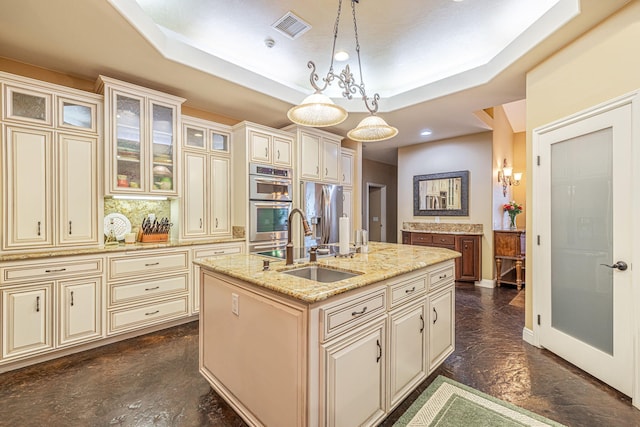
[(263, 145), (35, 167), (146, 288), (142, 139), (355, 377), (347, 204), (50, 152), (319, 154), (347, 164), (27, 320), (207, 186), (50, 305), (441, 325)]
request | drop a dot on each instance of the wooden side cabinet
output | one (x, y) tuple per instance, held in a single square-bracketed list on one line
[(469, 266), (509, 252)]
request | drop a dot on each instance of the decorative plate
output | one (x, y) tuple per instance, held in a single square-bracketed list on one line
[(119, 223)]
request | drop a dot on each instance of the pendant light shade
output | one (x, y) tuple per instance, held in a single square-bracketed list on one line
[(372, 128), (317, 110)]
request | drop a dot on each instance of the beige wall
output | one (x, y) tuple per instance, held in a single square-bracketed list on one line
[(502, 149), (601, 65), (384, 174), (470, 152), (519, 193)]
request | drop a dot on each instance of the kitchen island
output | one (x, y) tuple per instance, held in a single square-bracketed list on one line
[(289, 351)]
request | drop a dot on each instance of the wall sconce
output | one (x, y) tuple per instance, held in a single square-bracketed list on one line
[(507, 177)]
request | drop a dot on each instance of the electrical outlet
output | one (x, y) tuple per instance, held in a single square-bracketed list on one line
[(235, 304)]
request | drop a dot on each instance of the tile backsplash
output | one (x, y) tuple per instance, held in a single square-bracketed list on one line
[(137, 210)]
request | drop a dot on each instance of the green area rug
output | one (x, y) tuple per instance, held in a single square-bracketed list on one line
[(446, 403)]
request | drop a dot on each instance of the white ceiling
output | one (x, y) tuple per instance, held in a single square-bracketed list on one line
[(434, 62)]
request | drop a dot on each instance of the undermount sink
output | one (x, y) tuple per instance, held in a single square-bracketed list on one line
[(321, 274)]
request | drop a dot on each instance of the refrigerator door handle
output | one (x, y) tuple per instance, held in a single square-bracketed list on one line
[(326, 214)]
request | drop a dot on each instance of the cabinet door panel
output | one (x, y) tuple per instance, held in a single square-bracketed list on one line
[(220, 206), (26, 320), (355, 378), (309, 156), (27, 188), (330, 160), (347, 209), (282, 151), (27, 105), (78, 189), (441, 326), (346, 175), (80, 311), (259, 147), (128, 150), (469, 264), (195, 194), (163, 147), (408, 346)]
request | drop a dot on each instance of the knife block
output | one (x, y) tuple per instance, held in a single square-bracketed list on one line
[(153, 238)]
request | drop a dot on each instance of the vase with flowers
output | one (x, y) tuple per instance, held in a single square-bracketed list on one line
[(513, 209)]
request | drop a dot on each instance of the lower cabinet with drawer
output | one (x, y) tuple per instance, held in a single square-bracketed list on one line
[(146, 288), (47, 306), (360, 355), (468, 266)]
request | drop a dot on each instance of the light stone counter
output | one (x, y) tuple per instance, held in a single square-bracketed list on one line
[(384, 260), (111, 249), (442, 227)]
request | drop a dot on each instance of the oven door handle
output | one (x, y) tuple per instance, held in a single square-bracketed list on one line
[(272, 181), (272, 204)]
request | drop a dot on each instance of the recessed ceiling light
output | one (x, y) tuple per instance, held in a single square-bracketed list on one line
[(341, 56), (426, 132)]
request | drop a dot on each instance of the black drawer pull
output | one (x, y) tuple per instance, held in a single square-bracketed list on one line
[(152, 289), (408, 291), (37, 304), (442, 277), (55, 271), (71, 298), (359, 313), (152, 313), (379, 351), (436, 313), (152, 264), (422, 322)]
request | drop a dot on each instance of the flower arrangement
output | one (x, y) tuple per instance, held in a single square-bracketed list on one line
[(513, 209)]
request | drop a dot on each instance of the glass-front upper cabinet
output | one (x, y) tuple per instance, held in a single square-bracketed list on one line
[(206, 135), (141, 139), (28, 105), (77, 115)]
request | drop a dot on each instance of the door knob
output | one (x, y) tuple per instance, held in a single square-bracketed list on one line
[(620, 265)]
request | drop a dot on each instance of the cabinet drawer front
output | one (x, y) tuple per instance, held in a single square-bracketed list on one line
[(222, 250), (342, 317), (444, 239), (121, 294), (408, 290), (51, 270), (146, 315), (442, 277), (141, 266), (421, 239)]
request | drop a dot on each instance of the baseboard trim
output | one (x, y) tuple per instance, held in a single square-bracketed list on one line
[(527, 336), (485, 283)]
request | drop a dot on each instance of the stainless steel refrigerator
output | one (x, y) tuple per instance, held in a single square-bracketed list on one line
[(322, 205)]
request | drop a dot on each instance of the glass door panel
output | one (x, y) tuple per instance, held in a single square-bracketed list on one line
[(28, 105), (582, 238), (194, 137), (219, 142), (162, 133), (76, 115), (129, 138)]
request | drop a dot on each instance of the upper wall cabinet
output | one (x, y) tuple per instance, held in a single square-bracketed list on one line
[(50, 155), (141, 139), (319, 154), (264, 145)]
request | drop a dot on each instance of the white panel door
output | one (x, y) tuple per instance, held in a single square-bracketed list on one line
[(584, 217), (259, 147), (347, 200), (27, 320), (195, 194), (78, 189), (346, 166), (80, 311), (309, 146), (27, 188), (330, 160), (441, 326), (282, 151), (220, 205)]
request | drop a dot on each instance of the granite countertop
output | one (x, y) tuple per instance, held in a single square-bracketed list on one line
[(122, 247), (383, 261), (442, 228)]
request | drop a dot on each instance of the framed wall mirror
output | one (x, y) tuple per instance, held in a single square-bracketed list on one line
[(441, 194)]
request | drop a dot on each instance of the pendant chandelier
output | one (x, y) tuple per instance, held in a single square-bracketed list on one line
[(318, 110)]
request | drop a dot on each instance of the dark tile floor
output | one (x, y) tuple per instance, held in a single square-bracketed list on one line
[(154, 379)]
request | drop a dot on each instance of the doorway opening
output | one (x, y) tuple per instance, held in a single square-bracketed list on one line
[(376, 211)]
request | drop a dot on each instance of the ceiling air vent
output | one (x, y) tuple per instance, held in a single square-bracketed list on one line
[(291, 26)]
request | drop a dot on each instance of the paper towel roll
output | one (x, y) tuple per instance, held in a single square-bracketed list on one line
[(343, 237)]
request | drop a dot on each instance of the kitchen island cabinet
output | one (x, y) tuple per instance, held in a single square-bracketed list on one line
[(288, 351)]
